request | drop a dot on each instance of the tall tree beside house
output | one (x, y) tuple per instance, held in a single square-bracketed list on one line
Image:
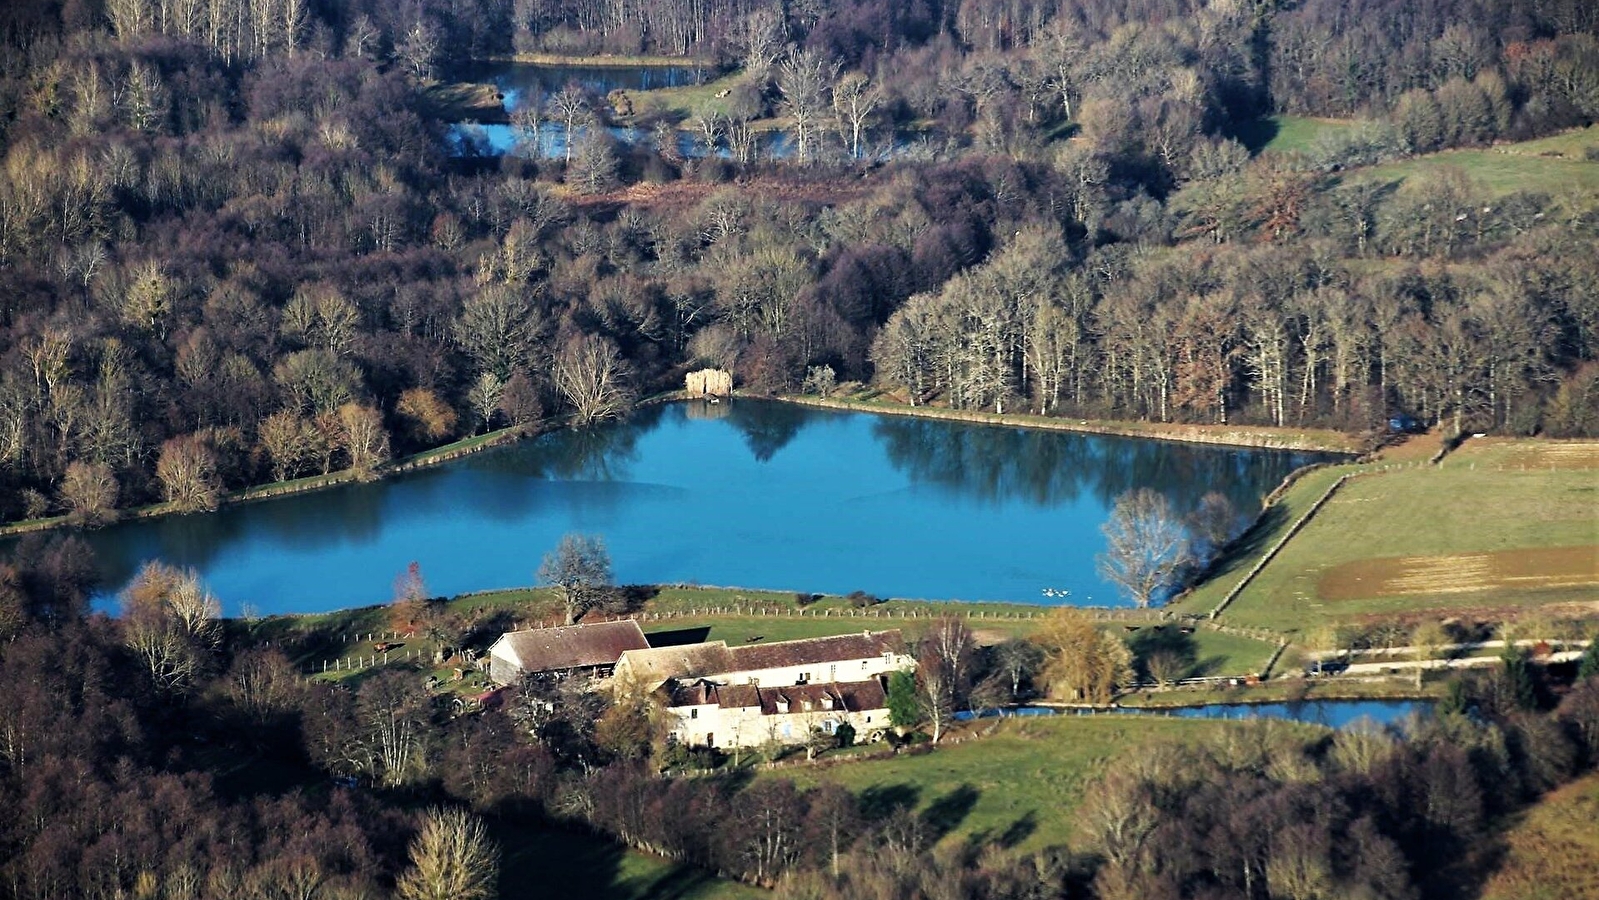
[(944, 671), (1147, 545), (580, 568), (903, 709)]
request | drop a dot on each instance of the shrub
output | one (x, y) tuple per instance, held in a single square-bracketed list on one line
[(845, 734)]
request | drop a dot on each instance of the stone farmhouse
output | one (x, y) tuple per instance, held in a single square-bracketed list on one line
[(564, 651), (706, 714), (839, 658), (721, 696)]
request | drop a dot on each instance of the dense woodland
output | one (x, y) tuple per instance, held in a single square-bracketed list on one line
[(164, 754), (234, 248)]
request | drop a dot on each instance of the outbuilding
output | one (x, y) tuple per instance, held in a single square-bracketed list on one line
[(563, 651)]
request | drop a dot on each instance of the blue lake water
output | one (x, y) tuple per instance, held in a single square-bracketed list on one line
[(521, 84), (748, 493), (1331, 713)]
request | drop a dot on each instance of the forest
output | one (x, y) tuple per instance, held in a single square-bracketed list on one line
[(167, 754), (237, 248)]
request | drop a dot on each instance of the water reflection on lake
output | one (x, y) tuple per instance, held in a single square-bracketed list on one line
[(515, 79), (767, 495)]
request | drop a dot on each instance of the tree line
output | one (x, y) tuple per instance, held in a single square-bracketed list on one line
[(121, 741), (238, 255)]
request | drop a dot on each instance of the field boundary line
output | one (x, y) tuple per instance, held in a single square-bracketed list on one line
[(1281, 543)]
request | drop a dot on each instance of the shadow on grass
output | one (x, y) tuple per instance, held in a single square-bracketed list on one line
[(678, 637), (1242, 552), (1257, 134), (538, 862), (883, 801), (1018, 831), (1163, 651), (541, 861), (946, 813)]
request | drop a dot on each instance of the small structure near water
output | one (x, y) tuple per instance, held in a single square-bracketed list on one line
[(709, 383)]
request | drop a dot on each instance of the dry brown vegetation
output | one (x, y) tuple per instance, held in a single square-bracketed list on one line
[(1526, 569), (1553, 853)]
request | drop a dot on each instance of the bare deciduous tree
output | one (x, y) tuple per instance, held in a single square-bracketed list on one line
[(452, 858), (855, 99), (1082, 662), (571, 107), (499, 330), (944, 671), (593, 378), (760, 37), (366, 441), (188, 471), (803, 78), (580, 567), (1146, 545), (89, 492), (171, 623)]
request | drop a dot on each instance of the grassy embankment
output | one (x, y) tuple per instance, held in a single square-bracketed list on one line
[(699, 613), (1290, 134), (1497, 528), (860, 399), (1020, 785), (1556, 165), (1552, 852)]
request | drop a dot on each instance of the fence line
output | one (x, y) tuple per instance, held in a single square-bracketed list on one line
[(1281, 543)]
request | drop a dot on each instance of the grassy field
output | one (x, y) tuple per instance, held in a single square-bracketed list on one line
[(871, 400), (1290, 134), (547, 862), (1554, 165), (1553, 852), (1020, 785), (682, 103), (1500, 525)]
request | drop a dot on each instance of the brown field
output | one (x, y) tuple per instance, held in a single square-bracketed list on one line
[(1553, 853), (681, 195), (1545, 454), (1462, 573)]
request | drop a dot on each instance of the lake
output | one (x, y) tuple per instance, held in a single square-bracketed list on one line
[(519, 83), (516, 80), (748, 493)]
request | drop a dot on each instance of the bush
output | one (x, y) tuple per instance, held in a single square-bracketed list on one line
[(845, 734), (860, 599)]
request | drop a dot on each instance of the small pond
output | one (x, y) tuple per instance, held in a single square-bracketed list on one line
[(1331, 713)]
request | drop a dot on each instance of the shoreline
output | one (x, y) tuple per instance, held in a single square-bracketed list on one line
[(601, 60), (312, 483), (1188, 434), (1251, 437)]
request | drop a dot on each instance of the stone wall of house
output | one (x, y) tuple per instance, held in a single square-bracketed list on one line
[(710, 725), (819, 673)]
